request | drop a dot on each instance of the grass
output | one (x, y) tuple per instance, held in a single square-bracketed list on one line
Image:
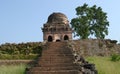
[(13, 69), (104, 65)]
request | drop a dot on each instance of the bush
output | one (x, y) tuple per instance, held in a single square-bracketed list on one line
[(22, 48), (115, 57), (28, 50), (16, 57)]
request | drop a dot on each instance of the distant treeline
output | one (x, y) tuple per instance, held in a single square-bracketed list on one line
[(21, 50)]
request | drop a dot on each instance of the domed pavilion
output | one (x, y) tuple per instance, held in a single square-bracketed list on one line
[(57, 28)]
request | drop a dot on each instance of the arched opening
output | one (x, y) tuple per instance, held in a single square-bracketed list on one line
[(66, 37), (57, 40), (50, 39)]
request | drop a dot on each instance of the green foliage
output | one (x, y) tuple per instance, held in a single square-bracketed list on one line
[(90, 21), (20, 51), (12, 69), (18, 57), (115, 57), (104, 65)]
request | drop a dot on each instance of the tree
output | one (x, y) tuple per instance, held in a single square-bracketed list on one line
[(90, 21)]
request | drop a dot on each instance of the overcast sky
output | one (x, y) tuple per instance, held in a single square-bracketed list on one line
[(21, 20)]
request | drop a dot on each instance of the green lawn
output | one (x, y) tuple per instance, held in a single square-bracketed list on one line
[(12, 69), (104, 65)]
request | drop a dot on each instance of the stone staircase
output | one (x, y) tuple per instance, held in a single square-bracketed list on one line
[(57, 58)]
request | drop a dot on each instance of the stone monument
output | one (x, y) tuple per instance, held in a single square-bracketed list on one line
[(57, 28)]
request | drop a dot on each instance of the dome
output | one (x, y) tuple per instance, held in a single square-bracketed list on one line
[(57, 18)]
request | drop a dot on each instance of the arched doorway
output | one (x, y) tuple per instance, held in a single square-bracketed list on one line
[(66, 37), (57, 40), (50, 39)]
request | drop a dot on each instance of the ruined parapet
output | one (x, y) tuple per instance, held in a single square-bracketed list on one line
[(84, 66), (95, 47)]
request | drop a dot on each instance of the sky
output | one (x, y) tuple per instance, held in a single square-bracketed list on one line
[(22, 20)]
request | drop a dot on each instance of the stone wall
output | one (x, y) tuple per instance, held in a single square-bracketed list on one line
[(91, 47)]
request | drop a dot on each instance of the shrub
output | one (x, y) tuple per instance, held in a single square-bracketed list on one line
[(28, 50), (22, 48), (115, 57), (16, 57)]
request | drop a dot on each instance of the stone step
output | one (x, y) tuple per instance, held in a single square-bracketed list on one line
[(56, 43), (56, 47), (54, 72), (57, 52), (54, 68), (57, 60), (49, 51), (56, 57), (55, 64)]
